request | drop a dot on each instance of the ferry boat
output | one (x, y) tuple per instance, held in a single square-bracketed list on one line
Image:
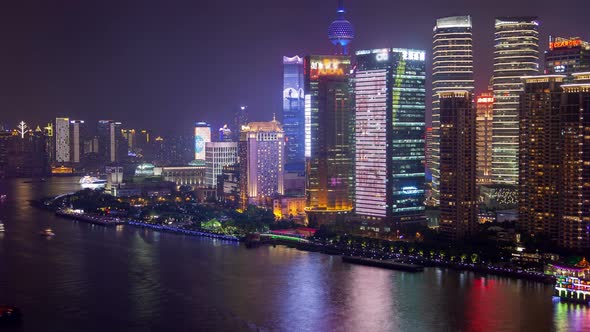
[(47, 233), (1, 227), (572, 283), (92, 182)]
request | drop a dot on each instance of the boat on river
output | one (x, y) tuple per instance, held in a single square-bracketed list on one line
[(572, 283), (47, 233), (387, 264)]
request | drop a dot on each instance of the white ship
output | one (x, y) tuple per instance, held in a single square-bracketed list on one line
[(92, 182)]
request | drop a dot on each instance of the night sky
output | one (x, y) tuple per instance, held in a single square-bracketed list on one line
[(165, 64)]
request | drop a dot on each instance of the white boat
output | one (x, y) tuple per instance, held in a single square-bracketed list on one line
[(47, 233), (2, 230), (92, 182)]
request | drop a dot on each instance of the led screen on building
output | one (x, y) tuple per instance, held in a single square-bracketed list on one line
[(202, 136)]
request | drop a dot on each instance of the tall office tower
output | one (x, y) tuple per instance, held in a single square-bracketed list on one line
[(341, 31), (49, 142), (62, 140), (240, 119), (143, 139), (91, 145), (76, 140), (5, 138), (202, 137), (111, 142), (485, 117), (458, 195), (225, 134), (566, 56), (130, 137), (452, 69), (261, 151), (294, 114), (217, 155), (38, 165), (516, 55), (539, 157), (389, 87), (428, 153), (329, 140), (574, 216)]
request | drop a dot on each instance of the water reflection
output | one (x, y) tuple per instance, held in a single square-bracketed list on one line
[(91, 278)]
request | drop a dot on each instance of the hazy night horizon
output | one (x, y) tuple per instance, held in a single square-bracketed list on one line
[(155, 65)]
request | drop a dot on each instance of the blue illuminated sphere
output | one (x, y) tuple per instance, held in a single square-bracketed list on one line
[(341, 32)]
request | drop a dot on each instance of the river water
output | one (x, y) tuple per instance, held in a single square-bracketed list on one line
[(91, 278)]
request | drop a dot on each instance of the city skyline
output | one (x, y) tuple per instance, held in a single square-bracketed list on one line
[(146, 73)]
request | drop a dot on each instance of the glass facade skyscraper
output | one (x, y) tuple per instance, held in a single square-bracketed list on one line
[(294, 114), (516, 54), (452, 69), (389, 135), (329, 127)]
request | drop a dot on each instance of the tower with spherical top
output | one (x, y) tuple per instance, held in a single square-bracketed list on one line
[(341, 31)]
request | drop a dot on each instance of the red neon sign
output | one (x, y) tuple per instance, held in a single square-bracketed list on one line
[(566, 43)]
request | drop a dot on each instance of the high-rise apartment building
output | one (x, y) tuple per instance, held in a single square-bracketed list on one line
[(294, 114), (62, 140), (566, 56), (218, 155), (452, 69), (261, 152), (540, 156), (516, 54), (485, 116), (574, 215), (329, 129), (76, 140), (458, 194), (389, 87)]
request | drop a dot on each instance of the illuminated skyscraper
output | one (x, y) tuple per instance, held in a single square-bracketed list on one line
[(540, 156), (294, 114), (329, 130), (76, 140), (458, 194), (261, 151), (218, 155), (516, 55), (484, 112), (452, 69), (62, 140), (390, 93), (202, 137), (574, 215), (566, 56)]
